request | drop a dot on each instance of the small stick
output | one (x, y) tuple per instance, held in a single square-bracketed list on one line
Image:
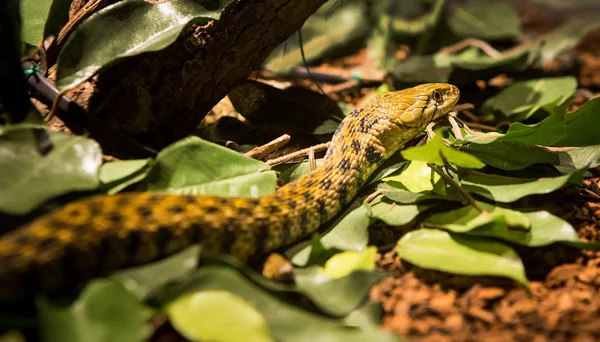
[(372, 196), (312, 163), (343, 86), (485, 47), (260, 152), (462, 191), (55, 103), (297, 154)]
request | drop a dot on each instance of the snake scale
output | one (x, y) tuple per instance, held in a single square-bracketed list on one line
[(100, 234)]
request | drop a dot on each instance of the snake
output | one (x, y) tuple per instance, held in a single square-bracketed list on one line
[(97, 235)]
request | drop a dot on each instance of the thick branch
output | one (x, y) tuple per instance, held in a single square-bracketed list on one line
[(160, 97)]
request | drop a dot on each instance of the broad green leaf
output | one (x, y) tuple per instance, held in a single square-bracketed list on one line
[(337, 296), (285, 321), (29, 177), (508, 189), (397, 193), (349, 232), (393, 213), (210, 316), (117, 175), (460, 254), (578, 158), (324, 34), (291, 172), (508, 155), (580, 124), (436, 152), (468, 218), (194, 166), (420, 69), (485, 19), (417, 177), (136, 26), (567, 36), (545, 229), (34, 14), (105, 311), (342, 264), (144, 280), (522, 99)]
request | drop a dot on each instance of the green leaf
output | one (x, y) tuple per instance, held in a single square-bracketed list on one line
[(342, 264), (117, 175), (28, 178), (460, 254), (508, 155), (210, 315), (291, 172), (194, 166), (545, 230), (468, 218), (396, 193), (349, 232), (105, 311), (392, 213), (417, 177), (136, 26), (336, 296), (324, 34), (420, 69), (485, 19), (578, 158), (34, 14), (436, 152), (522, 99), (578, 124), (567, 36), (285, 321), (508, 189)]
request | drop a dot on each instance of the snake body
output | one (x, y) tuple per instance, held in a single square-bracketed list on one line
[(97, 235)]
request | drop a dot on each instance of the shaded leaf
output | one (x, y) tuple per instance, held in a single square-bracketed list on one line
[(394, 214), (574, 159), (34, 14), (105, 311), (468, 218), (485, 19), (436, 152), (195, 166), (117, 175), (508, 189), (545, 229), (136, 26), (567, 36), (522, 99), (29, 177), (578, 123), (349, 232), (460, 254), (323, 35), (508, 155), (291, 172), (209, 316)]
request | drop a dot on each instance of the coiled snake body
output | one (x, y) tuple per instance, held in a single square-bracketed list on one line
[(100, 234)]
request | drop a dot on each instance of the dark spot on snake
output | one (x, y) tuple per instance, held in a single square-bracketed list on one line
[(273, 209), (286, 229), (356, 112), (222, 200), (134, 241), (355, 145), (144, 212), (373, 156), (196, 232), (75, 213), (365, 126), (292, 204), (122, 201), (94, 208), (154, 198), (253, 202), (211, 210), (260, 237), (163, 236), (326, 184), (190, 199), (228, 238), (244, 211), (307, 196), (343, 194), (24, 239), (345, 164), (176, 209), (322, 210), (48, 242), (114, 217), (339, 128), (329, 168)]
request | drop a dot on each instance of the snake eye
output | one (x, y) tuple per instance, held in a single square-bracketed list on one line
[(437, 96)]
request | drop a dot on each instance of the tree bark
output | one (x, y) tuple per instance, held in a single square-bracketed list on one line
[(162, 96)]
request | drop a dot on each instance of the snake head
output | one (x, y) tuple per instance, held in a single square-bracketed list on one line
[(424, 103)]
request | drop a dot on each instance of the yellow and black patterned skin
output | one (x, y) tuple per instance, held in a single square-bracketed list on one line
[(97, 235)]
